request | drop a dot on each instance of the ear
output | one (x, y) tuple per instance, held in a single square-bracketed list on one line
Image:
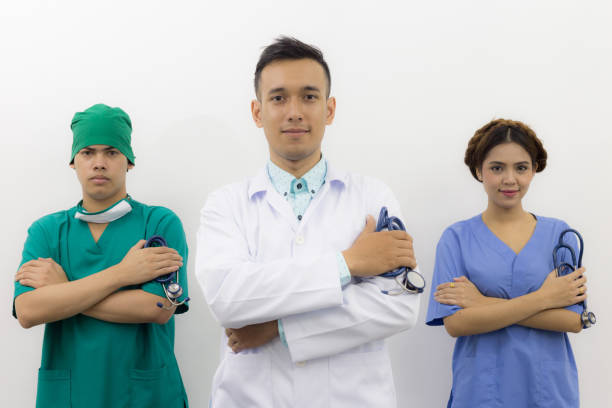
[(479, 175), (72, 165), (256, 112), (331, 110), (130, 166)]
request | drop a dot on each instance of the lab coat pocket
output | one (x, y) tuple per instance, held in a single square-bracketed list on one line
[(147, 390), (246, 381), (475, 382), (53, 389), (354, 376), (557, 385)]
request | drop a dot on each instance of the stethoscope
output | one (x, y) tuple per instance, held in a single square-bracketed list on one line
[(563, 268), (412, 281), (169, 282)]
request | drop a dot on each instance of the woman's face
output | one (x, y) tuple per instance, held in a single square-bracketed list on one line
[(506, 174)]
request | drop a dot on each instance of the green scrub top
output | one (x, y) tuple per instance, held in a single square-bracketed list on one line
[(92, 363)]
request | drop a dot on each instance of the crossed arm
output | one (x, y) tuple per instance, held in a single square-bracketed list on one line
[(55, 298), (253, 292), (542, 309)]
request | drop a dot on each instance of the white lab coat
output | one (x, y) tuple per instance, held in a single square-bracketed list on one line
[(256, 263)]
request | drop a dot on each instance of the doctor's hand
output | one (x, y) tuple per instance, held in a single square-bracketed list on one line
[(461, 292), (40, 272), (254, 335), (142, 264), (374, 253), (564, 290)]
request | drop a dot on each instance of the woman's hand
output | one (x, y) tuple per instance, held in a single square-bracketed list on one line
[(461, 292), (563, 291)]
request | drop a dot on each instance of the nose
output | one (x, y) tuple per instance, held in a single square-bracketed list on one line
[(509, 178), (295, 111), (99, 162)]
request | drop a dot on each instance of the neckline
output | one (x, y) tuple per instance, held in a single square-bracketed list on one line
[(498, 244)]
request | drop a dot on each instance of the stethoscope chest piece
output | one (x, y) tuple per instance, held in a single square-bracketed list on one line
[(414, 281), (588, 318), (172, 290)]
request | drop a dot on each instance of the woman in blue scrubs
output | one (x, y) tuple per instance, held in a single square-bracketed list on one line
[(496, 290)]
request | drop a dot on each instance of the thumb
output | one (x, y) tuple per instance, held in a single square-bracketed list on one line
[(370, 225), (139, 245)]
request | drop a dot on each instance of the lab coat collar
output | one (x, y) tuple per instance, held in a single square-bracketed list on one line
[(261, 182)]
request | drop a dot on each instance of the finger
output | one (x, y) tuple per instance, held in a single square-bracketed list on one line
[(164, 271), (139, 245), (29, 282), (30, 262), (461, 279), (576, 274), (34, 263), (370, 225), (446, 285), (228, 332), (164, 263), (445, 299), (408, 261), (404, 244), (168, 255), (579, 282), (398, 234)]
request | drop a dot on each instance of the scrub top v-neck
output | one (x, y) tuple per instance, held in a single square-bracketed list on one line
[(515, 366), (92, 363)]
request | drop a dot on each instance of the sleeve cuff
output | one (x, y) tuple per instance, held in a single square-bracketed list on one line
[(345, 274), (281, 333)]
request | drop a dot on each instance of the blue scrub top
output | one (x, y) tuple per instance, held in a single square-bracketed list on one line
[(516, 366)]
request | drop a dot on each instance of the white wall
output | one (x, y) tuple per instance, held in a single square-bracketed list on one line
[(413, 81)]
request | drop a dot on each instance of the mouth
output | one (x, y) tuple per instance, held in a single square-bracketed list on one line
[(99, 179), (295, 132), (509, 193)]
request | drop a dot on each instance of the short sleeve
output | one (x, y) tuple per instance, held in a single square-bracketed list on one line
[(36, 246), (170, 228), (448, 266)]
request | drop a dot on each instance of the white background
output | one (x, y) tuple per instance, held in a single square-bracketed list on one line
[(413, 81)]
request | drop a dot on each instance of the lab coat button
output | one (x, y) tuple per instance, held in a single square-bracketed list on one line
[(300, 363), (299, 240)]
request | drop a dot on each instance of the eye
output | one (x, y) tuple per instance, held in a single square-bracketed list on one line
[(311, 97), (112, 152), (277, 98), (496, 169), (522, 168), (85, 152)]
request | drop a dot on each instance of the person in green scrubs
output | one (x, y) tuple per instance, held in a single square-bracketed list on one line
[(86, 274)]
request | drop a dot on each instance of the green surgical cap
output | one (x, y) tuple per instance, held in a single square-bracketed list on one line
[(102, 125)]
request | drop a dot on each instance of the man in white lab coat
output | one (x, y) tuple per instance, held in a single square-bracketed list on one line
[(287, 266)]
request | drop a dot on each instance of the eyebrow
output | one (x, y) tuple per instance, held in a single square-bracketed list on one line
[(91, 149), (281, 89), (502, 163)]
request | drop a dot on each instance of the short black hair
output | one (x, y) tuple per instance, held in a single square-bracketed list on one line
[(289, 48)]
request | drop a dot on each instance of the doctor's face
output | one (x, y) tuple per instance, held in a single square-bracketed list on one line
[(101, 170), (293, 110), (506, 174)]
